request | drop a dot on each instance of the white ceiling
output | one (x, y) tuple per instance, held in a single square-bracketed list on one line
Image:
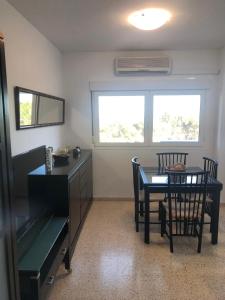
[(101, 25)]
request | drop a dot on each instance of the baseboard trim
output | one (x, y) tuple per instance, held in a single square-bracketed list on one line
[(125, 199), (113, 199)]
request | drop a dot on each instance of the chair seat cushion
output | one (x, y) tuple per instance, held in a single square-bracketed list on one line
[(181, 212), (209, 199)]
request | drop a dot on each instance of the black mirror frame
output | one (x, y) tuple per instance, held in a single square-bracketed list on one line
[(17, 91)]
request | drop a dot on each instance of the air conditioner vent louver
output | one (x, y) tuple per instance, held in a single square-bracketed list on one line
[(143, 64)]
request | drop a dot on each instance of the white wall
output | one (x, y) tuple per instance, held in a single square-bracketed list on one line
[(32, 62), (221, 125), (112, 170)]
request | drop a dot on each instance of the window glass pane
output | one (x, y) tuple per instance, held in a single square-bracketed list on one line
[(176, 118), (121, 119)]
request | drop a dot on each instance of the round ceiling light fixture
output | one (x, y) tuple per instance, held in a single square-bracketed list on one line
[(149, 18)]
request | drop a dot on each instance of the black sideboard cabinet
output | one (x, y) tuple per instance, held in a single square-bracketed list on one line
[(66, 194)]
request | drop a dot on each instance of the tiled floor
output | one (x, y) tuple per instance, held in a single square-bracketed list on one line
[(111, 261)]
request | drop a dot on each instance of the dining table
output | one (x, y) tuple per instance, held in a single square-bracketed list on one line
[(155, 180)]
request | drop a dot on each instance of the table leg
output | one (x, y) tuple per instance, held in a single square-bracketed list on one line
[(215, 217), (147, 216)]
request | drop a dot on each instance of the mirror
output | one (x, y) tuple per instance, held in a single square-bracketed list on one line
[(35, 109)]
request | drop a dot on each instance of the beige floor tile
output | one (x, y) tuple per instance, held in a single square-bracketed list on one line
[(111, 261)]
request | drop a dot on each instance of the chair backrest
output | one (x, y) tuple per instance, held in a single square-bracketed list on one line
[(166, 159), (186, 201), (136, 177), (210, 166)]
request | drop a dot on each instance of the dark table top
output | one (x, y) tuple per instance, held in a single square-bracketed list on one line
[(155, 177)]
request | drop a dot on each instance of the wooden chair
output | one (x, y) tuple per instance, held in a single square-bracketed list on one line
[(139, 207), (166, 159), (210, 166), (183, 213), (138, 203)]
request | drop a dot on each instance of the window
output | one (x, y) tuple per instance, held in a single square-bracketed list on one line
[(147, 118), (120, 118), (176, 118)]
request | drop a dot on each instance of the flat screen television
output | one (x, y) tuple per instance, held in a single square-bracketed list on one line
[(26, 210)]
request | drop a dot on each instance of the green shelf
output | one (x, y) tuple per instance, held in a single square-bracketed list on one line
[(36, 255)]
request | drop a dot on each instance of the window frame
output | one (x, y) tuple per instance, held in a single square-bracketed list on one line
[(148, 117)]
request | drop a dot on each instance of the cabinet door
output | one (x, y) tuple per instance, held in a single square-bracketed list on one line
[(90, 181), (74, 190), (85, 186), (84, 200), (4, 280)]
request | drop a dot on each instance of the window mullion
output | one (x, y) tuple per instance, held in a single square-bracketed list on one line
[(148, 119)]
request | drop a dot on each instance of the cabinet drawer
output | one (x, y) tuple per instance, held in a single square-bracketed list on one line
[(49, 280)]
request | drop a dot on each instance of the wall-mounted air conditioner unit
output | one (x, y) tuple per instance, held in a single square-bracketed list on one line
[(159, 64)]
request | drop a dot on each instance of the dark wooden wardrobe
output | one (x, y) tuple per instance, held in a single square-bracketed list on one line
[(8, 276)]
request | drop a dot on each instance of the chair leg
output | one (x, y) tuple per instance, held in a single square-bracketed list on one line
[(163, 220), (142, 209), (171, 236), (199, 244), (171, 244), (136, 209), (137, 226), (210, 229), (162, 228), (195, 233), (160, 210), (208, 212), (185, 226), (200, 239)]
